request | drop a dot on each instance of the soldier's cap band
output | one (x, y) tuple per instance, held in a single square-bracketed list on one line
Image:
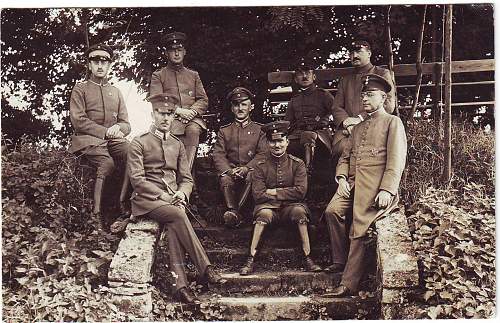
[(276, 135), (99, 58)]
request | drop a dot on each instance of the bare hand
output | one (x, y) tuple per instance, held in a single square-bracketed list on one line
[(272, 192), (348, 131), (351, 121), (187, 114), (114, 132), (383, 199), (344, 188), (178, 198), (240, 171)]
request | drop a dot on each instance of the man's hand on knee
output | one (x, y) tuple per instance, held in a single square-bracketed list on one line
[(383, 199), (114, 132), (344, 188)]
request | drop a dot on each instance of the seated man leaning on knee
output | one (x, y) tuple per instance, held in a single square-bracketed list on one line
[(162, 182), (279, 185), (239, 146), (368, 173)]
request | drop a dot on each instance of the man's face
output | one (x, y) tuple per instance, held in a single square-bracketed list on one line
[(99, 63), (176, 55), (278, 146), (373, 100), (360, 57), (241, 110), (163, 118), (304, 78)]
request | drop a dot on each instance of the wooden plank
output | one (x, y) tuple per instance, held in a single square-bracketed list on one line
[(329, 74), (456, 104)]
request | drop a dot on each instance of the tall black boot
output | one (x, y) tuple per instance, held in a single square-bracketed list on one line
[(308, 157), (231, 217), (124, 208), (98, 190)]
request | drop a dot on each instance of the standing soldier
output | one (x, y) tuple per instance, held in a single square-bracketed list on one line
[(279, 185), (238, 147), (308, 113), (99, 116), (162, 182), (368, 174), (184, 84), (347, 106)]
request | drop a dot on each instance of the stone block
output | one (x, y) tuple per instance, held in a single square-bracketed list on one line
[(143, 225), (398, 260), (134, 258), (135, 307)]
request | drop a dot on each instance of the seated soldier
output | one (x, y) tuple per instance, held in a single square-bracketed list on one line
[(368, 174), (308, 112), (238, 147), (162, 182), (279, 184)]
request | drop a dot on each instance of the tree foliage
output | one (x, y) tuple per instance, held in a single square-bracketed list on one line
[(42, 49)]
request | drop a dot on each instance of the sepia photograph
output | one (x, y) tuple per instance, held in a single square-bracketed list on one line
[(247, 162)]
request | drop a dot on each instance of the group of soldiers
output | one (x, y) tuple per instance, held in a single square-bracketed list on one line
[(368, 142)]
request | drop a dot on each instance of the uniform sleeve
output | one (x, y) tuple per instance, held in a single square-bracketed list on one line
[(327, 105), (338, 107), (396, 157), (122, 117), (390, 102), (343, 163), (298, 191), (259, 187), (135, 162), (201, 99), (184, 178), (79, 118), (261, 152), (155, 86), (219, 154)]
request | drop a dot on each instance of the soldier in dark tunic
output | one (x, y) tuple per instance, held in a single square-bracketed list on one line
[(308, 111), (239, 146), (184, 84), (100, 120), (279, 185), (162, 182)]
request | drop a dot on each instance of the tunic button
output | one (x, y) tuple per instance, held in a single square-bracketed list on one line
[(110, 94)]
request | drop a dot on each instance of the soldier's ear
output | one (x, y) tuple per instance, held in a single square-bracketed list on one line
[(314, 76)]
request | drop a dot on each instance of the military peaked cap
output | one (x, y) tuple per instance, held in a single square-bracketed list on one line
[(99, 46), (276, 130), (175, 39), (372, 82), (239, 94), (304, 64), (359, 44), (163, 101)]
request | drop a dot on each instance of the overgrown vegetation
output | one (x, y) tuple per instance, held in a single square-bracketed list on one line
[(54, 264), (473, 159), (454, 236)]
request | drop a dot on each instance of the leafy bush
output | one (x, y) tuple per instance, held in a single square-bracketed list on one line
[(454, 236), (54, 263), (473, 158)]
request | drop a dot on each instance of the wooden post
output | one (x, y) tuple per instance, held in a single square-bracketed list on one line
[(437, 74), (418, 66), (447, 92)]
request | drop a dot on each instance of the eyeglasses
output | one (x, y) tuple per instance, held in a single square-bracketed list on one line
[(368, 94), (99, 58)]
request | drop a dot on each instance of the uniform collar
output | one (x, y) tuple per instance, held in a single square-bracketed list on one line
[(308, 90), (363, 69), (158, 133), (243, 123), (377, 113), (175, 67), (103, 83), (278, 159)]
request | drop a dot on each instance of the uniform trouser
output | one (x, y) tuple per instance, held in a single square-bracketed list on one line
[(181, 239), (191, 139), (104, 158), (232, 189), (346, 251), (339, 147)]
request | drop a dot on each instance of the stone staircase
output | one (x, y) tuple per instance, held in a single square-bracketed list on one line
[(279, 289)]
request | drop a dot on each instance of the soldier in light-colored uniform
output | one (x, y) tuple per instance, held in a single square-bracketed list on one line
[(279, 185), (100, 120), (162, 182), (184, 84), (239, 146), (368, 174)]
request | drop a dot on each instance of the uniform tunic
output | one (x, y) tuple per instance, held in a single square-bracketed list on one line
[(93, 109), (287, 174), (239, 144), (152, 160), (185, 85), (348, 103), (308, 111), (374, 160)]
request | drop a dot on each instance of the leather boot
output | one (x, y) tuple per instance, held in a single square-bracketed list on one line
[(247, 268), (191, 154), (231, 217), (185, 295), (310, 265), (124, 208), (98, 190), (308, 157)]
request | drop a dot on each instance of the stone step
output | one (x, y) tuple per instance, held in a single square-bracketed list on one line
[(272, 308), (266, 283)]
